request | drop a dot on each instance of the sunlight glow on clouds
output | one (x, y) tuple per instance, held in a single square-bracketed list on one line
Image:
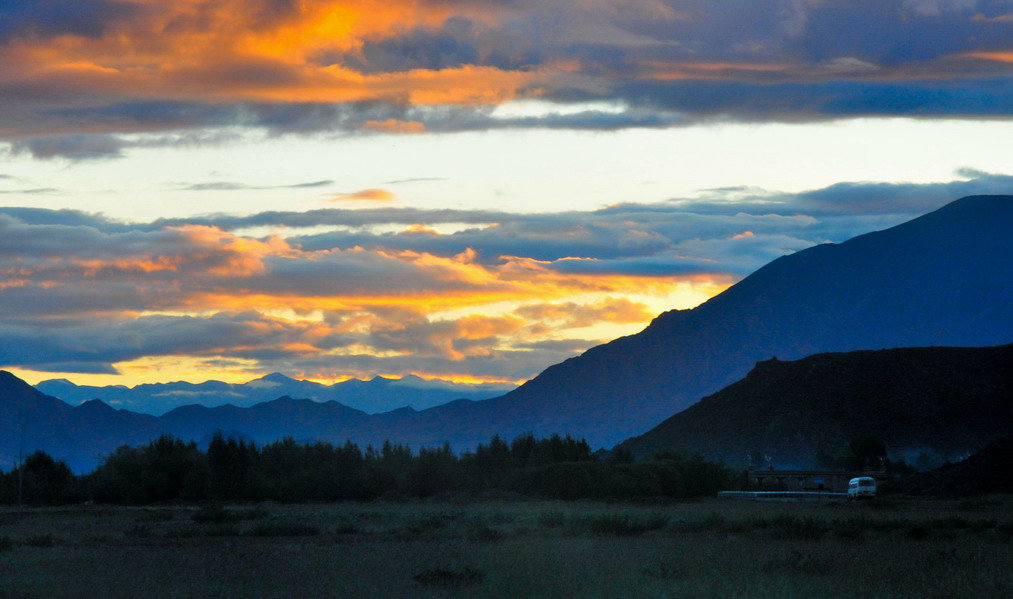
[(463, 189), (110, 300), (78, 77)]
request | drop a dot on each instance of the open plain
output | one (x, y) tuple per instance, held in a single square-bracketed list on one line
[(886, 548)]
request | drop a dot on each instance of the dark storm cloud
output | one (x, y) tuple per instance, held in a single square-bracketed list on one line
[(659, 63), (60, 17), (72, 147)]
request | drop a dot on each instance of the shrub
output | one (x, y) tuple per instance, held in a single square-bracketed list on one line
[(157, 516), (283, 529), (551, 518), (45, 540), (713, 522), (797, 564), (347, 528), (215, 514), (445, 577), (623, 525), (917, 531), (486, 534), (851, 529), (207, 530), (798, 529), (219, 530), (138, 531), (664, 572)]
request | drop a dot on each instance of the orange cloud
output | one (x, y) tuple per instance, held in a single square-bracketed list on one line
[(420, 230), (395, 126), (224, 50), (366, 195), (994, 56), (675, 70), (573, 315)]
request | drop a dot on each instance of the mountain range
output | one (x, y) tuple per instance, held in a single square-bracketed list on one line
[(376, 395), (943, 279)]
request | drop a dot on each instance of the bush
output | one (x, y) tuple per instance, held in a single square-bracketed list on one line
[(137, 531), (445, 577), (45, 540), (713, 522), (797, 564), (347, 528), (551, 519), (851, 529), (486, 534), (283, 529), (622, 525), (215, 514), (798, 529), (157, 516), (917, 532)]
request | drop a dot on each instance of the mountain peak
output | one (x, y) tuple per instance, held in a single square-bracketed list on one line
[(276, 377), (96, 406), (62, 382)]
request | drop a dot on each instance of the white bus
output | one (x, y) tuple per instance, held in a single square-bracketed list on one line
[(863, 487)]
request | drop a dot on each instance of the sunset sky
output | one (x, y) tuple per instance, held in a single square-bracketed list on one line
[(461, 189)]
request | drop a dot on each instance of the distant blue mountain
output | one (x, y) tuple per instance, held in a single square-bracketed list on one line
[(374, 396)]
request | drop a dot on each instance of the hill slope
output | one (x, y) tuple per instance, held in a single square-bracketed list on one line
[(945, 278), (947, 400), (985, 472), (79, 435)]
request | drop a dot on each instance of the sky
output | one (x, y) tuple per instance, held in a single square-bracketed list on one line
[(464, 190)]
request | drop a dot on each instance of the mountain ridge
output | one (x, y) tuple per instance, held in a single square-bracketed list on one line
[(945, 278), (377, 395)]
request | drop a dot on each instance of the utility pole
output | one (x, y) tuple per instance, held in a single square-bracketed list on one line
[(21, 463)]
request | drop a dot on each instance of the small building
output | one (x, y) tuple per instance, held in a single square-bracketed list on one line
[(831, 481)]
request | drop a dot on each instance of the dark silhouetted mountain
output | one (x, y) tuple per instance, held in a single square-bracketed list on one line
[(265, 422), (983, 473), (374, 396), (79, 435), (948, 401)]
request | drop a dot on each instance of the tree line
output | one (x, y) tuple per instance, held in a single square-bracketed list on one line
[(171, 470)]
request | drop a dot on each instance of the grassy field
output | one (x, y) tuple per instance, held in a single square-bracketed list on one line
[(712, 548)]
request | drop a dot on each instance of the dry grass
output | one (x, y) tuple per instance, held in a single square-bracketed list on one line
[(526, 549)]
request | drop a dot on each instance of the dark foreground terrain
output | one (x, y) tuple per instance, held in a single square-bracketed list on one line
[(889, 547)]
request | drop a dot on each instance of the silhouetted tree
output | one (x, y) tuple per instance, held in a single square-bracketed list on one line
[(231, 466), (43, 480)]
